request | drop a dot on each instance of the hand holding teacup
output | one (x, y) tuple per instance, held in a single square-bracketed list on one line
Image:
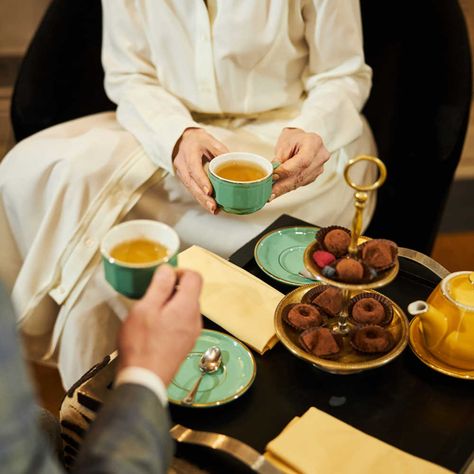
[(302, 156), (131, 252)]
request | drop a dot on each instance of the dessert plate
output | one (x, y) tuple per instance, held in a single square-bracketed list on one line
[(280, 254), (234, 377), (348, 361), (418, 347)]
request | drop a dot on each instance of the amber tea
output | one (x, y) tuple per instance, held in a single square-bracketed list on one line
[(240, 171), (139, 251)]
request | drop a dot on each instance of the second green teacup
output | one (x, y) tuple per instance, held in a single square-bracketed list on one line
[(237, 195), (125, 274)]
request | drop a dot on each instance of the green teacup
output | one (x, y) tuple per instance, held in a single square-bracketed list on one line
[(132, 279), (241, 197)]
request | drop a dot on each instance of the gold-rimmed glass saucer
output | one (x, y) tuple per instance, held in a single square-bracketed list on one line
[(349, 360)]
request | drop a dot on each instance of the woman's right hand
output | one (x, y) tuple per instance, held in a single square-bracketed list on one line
[(192, 149)]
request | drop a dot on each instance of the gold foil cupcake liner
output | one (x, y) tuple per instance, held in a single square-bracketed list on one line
[(323, 232), (393, 248), (374, 327), (289, 307), (314, 293), (387, 306), (316, 330)]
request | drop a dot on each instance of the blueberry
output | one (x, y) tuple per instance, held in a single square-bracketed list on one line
[(328, 271)]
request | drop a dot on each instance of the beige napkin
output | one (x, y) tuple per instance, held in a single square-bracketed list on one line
[(234, 299), (320, 443)]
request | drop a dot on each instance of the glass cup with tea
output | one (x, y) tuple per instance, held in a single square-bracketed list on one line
[(132, 250), (242, 182)]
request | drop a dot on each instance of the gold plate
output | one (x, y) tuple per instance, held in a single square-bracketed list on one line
[(417, 345), (349, 361), (386, 277)]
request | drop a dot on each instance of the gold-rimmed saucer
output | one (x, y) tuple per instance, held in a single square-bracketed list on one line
[(417, 345), (348, 361)]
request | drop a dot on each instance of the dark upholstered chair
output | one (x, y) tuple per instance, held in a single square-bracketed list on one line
[(418, 109)]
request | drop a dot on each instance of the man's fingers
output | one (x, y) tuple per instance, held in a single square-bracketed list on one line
[(161, 286), (188, 292)]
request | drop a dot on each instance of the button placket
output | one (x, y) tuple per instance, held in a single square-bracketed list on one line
[(204, 61)]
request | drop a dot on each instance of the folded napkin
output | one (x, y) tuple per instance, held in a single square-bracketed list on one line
[(234, 299), (320, 443)]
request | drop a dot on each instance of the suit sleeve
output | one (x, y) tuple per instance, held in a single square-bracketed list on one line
[(155, 117), (337, 80), (130, 435), (23, 446)]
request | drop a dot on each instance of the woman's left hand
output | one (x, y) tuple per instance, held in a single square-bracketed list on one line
[(302, 156)]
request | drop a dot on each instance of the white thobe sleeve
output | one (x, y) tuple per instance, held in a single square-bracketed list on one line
[(155, 117), (337, 80)]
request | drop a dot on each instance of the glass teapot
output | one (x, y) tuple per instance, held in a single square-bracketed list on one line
[(447, 320)]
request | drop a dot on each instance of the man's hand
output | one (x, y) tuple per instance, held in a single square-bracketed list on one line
[(193, 148), (162, 327), (302, 156)]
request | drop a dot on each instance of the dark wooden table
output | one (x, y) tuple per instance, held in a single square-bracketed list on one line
[(404, 403)]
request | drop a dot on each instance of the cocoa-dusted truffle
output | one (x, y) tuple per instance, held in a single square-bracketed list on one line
[(330, 300), (321, 342), (303, 316), (350, 270), (337, 242), (372, 339), (379, 253), (368, 311)]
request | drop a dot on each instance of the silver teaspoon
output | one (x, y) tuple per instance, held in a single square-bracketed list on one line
[(209, 363)]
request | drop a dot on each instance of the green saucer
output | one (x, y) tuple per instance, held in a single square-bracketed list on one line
[(280, 254), (233, 378)]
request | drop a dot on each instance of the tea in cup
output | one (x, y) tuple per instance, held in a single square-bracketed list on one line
[(242, 182), (131, 251)]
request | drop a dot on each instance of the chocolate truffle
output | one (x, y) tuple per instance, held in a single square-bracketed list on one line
[(321, 342), (379, 253), (368, 311), (372, 339), (349, 269), (337, 242), (329, 300), (303, 316)]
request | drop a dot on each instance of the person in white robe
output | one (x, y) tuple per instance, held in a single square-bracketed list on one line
[(282, 78)]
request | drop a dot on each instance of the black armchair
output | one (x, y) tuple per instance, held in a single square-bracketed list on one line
[(418, 108)]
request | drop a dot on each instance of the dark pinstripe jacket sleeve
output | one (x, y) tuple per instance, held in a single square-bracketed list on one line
[(130, 435), (23, 447)]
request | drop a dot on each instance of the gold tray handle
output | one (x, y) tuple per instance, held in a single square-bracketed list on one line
[(243, 452), (361, 195)]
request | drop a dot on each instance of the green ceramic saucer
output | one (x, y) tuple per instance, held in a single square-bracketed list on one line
[(280, 253), (233, 378)]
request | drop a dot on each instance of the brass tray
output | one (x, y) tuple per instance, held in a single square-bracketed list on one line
[(383, 279), (348, 361), (417, 345)]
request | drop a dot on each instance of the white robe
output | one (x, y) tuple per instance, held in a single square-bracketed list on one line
[(237, 72)]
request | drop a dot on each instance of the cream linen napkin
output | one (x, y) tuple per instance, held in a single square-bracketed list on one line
[(320, 443), (234, 299)]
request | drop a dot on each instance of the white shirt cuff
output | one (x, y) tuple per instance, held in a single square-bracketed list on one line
[(146, 378)]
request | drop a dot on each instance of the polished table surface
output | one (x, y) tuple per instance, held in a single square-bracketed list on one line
[(404, 403)]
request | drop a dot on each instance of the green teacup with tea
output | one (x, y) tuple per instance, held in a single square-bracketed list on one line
[(131, 252), (242, 182)]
